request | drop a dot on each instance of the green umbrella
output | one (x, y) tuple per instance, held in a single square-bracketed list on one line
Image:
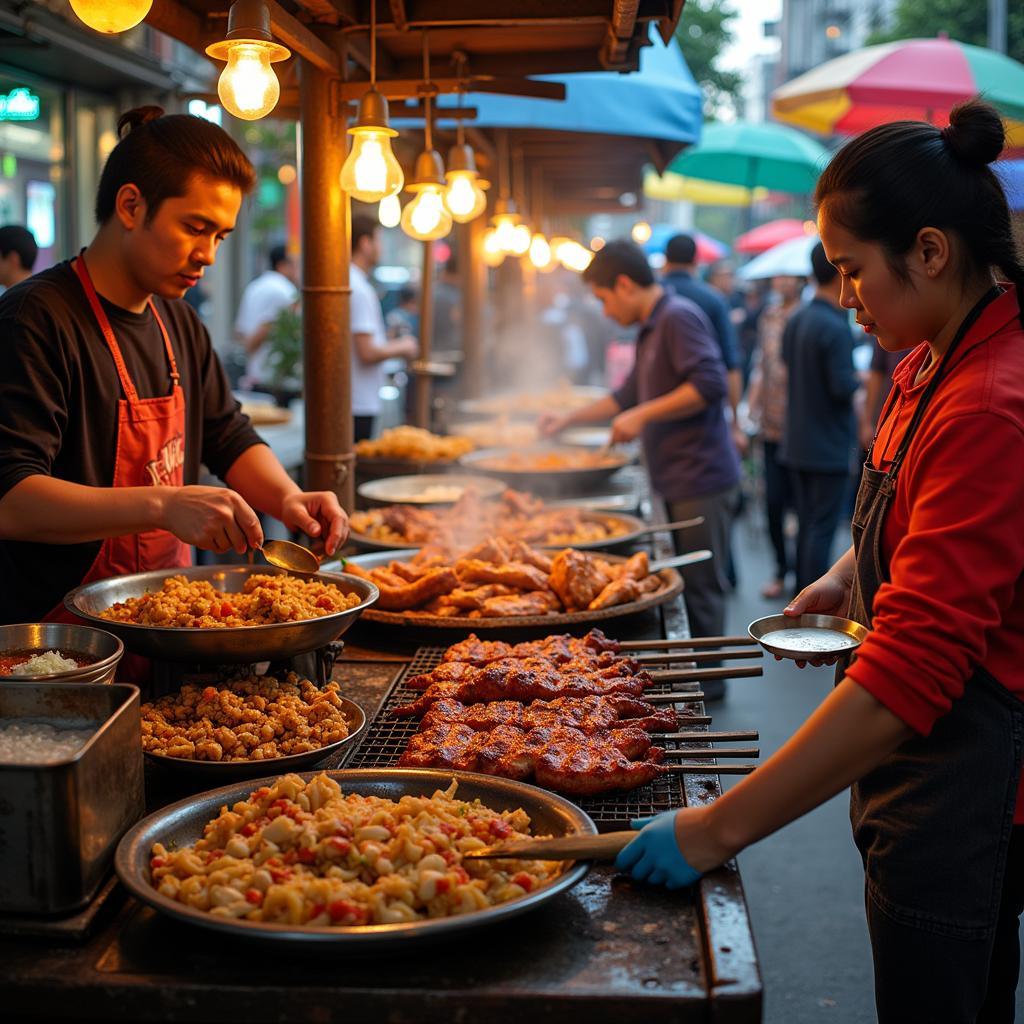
[(767, 155)]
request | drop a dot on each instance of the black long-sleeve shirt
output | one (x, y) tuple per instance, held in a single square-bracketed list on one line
[(817, 346), (59, 393)]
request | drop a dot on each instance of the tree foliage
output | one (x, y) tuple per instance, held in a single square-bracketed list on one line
[(704, 31), (963, 20)]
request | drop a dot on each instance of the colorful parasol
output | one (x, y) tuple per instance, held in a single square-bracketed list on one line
[(911, 79), (708, 249), (775, 232)]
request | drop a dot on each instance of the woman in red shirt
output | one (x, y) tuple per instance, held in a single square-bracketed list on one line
[(927, 723)]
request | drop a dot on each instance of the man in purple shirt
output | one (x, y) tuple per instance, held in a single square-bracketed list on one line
[(675, 401)]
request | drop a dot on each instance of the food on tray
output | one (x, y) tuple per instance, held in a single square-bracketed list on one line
[(304, 853), (548, 460), (588, 714), (498, 433), (560, 758), (264, 599), (508, 578), (251, 718), (441, 492), (515, 516), (521, 680), (414, 444), (556, 648), (41, 663), (29, 741)]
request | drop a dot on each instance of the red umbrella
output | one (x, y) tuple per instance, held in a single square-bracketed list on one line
[(767, 236)]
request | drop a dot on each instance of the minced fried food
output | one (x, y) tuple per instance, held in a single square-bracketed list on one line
[(247, 719), (304, 853), (264, 599)]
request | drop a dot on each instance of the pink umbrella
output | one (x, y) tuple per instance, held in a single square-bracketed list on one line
[(767, 236)]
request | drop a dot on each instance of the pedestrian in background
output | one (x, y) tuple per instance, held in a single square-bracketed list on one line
[(818, 443), (18, 254)]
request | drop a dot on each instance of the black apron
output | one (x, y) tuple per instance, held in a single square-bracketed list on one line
[(933, 820)]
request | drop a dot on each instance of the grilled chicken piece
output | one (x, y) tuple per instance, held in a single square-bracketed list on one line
[(433, 583), (512, 574), (620, 591), (489, 684), (587, 771), (636, 567), (536, 602), (456, 671), (557, 648), (473, 597), (576, 578)]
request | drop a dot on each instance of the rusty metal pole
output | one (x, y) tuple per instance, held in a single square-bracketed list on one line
[(473, 280), (326, 323), (422, 383)]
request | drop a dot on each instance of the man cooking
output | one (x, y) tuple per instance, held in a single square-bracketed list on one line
[(113, 395)]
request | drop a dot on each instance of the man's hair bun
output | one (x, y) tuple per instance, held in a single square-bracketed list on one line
[(975, 134), (132, 119)]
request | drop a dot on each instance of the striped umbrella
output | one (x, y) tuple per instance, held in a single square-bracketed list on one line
[(911, 79)]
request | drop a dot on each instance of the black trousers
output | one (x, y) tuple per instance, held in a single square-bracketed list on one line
[(926, 978), (778, 496), (819, 504)]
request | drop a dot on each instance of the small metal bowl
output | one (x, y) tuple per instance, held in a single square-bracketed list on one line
[(806, 637), (39, 637)]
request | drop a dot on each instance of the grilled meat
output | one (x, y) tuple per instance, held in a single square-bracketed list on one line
[(560, 648), (457, 671)]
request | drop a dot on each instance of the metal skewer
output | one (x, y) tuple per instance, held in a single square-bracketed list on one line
[(697, 674), (717, 752), (694, 643), (697, 656)]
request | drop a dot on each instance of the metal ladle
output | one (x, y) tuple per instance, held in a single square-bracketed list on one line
[(287, 555)]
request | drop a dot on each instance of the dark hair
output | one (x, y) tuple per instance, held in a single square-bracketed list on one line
[(681, 249), (159, 153), (406, 294), (278, 254), (824, 272), (615, 258), (892, 181), (363, 226), (15, 238)]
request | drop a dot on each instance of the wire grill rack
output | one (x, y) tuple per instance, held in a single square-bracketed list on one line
[(387, 736)]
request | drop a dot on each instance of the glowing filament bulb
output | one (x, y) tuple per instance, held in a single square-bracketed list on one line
[(493, 254), (389, 213), (520, 240), (248, 87), (540, 252), (425, 217), (371, 172), (464, 197)]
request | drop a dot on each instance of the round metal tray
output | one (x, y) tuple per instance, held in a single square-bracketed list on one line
[(540, 481), (672, 585), (820, 630), (182, 823), (37, 637), (409, 490), (633, 526), (220, 772), (238, 644), (513, 405)]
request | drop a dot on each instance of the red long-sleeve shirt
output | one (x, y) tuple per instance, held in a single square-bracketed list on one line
[(954, 535)]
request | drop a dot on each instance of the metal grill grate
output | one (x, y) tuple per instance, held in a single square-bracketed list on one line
[(387, 736)]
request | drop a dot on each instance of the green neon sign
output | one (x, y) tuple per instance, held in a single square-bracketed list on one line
[(19, 105)]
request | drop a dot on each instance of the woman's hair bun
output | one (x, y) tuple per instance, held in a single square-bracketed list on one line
[(975, 134), (132, 119)]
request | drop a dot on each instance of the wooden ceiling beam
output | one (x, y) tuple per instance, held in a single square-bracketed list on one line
[(287, 29), (348, 11), (180, 23), (398, 15), (410, 88)]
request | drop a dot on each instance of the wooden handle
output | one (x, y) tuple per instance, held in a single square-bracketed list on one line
[(697, 643), (697, 656), (715, 752), (710, 769), (696, 674), (673, 698), (580, 847)]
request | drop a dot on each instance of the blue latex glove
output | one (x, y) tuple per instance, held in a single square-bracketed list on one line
[(654, 856)]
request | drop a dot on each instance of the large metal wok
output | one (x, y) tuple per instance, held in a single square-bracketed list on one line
[(239, 644), (182, 824), (500, 463)]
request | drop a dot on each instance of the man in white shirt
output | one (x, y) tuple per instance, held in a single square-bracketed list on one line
[(370, 345), (262, 303)]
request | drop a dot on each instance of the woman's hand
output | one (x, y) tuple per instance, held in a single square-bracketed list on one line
[(628, 425), (550, 423), (829, 595), (316, 514)]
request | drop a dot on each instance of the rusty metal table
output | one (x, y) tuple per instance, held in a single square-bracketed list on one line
[(607, 952)]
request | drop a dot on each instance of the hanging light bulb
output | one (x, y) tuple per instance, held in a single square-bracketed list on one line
[(521, 240), (641, 232), (574, 256), (465, 193), (505, 221), (540, 253), (248, 87), (371, 172), (389, 213), (493, 254), (426, 217), (111, 16)]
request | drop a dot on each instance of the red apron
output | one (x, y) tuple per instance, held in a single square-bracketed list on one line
[(150, 452)]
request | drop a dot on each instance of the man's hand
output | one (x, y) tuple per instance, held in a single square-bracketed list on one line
[(628, 425), (316, 514), (740, 439), (550, 423), (214, 518), (407, 347)]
